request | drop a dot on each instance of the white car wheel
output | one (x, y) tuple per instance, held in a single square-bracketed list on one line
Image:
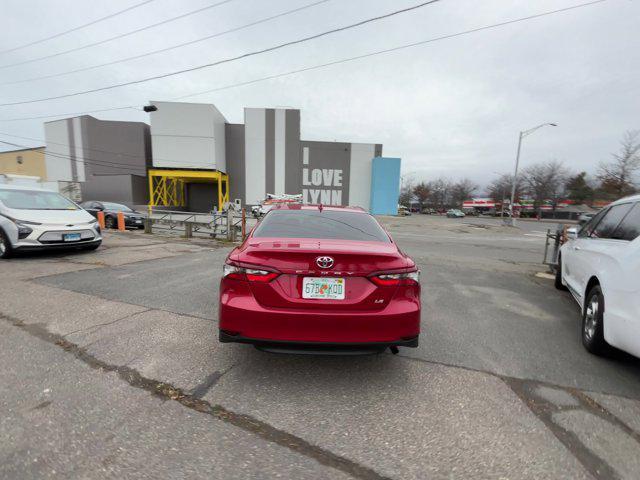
[(5, 246)]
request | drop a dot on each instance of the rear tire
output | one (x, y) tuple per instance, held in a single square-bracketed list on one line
[(109, 222), (5, 245), (593, 323), (558, 281)]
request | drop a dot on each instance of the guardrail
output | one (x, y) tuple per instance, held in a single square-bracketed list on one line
[(230, 225)]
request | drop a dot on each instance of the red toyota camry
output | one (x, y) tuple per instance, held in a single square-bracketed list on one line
[(320, 279)]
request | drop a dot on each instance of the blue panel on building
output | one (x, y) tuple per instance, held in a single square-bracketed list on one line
[(385, 186)]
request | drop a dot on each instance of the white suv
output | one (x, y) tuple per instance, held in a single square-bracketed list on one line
[(600, 266), (33, 219)]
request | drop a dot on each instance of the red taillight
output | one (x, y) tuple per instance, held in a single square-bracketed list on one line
[(394, 279), (248, 274)]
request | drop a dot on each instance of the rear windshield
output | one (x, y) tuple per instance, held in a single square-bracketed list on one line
[(35, 200), (328, 224)]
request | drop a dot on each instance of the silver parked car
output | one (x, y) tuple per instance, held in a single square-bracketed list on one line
[(34, 219)]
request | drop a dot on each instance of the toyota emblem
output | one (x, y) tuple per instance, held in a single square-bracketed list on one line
[(324, 262)]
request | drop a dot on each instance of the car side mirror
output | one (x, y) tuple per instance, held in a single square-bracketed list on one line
[(572, 233)]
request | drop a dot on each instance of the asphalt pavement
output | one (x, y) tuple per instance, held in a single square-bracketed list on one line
[(111, 368)]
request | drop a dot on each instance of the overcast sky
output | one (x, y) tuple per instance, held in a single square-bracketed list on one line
[(450, 108)]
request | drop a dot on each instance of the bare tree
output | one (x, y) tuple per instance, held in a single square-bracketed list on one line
[(617, 177), (500, 189), (545, 181), (421, 191), (440, 196), (406, 191), (461, 191)]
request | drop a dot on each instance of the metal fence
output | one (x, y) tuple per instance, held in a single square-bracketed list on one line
[(554, 240), (230, 225)]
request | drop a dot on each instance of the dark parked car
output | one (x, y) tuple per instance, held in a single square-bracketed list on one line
[(132, 219)]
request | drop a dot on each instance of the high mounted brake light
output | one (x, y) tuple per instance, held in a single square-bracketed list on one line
[(394, 279), (248, 274)]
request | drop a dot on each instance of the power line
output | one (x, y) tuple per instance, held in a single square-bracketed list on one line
[(69, 146), (73, 114), (110, 152), (75, 29), (390, 50), (162, 50), (232, 59), (79, 159), (122, 35), (323, 65)]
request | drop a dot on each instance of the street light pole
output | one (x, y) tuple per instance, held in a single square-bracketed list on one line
[(515, 181), (515, 172)]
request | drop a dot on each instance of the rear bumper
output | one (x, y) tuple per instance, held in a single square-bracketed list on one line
[(242, 319), (133, 223), (317, 347)]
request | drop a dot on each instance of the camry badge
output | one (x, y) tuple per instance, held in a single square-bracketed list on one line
[(324, 262)]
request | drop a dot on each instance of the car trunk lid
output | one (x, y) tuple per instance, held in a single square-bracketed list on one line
[(354, 261)]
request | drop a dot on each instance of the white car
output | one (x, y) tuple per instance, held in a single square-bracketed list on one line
[(600, 266), (35, 219)]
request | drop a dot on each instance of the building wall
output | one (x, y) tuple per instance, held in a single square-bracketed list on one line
[(266, 155), (24, 162), (255, 146), (271, 158), (325, 173), (108, 188), (335, 173), (235, 161), (202, 197), (385, 186), (360, 178), (108, 158), (61, 155), (115, 147), (188, 135)]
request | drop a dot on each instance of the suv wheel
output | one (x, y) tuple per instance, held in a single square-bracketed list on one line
[(593, 324), (109, 222), (5, 245)]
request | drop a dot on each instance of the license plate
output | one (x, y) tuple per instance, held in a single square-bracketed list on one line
[(323, 288), (138, 220), (71, 237)]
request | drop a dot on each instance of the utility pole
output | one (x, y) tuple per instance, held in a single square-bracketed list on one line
[(515, 181), (515, 172)]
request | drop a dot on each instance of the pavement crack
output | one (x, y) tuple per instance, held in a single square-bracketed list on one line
[(171, 393), (598, 409), (544, 411), (100, 325), (210, 381)]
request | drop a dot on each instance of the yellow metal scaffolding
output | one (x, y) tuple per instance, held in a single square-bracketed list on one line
[(167, 187)]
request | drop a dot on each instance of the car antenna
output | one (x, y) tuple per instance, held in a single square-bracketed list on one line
[(320, 207)]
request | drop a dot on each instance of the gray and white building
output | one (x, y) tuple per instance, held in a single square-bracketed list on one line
[(265, 154)]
